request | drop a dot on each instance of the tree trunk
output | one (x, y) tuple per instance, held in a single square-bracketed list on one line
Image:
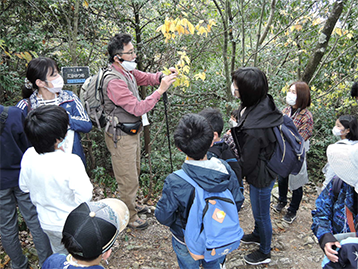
[(323, 40)]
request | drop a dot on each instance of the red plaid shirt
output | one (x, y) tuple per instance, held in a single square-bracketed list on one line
[(303, 121)]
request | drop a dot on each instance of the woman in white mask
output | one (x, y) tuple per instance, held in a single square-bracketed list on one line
[(298, 99), (346, 128), (43, 86)]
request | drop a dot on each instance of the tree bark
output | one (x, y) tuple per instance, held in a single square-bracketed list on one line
[(269, 22), (323, 40)]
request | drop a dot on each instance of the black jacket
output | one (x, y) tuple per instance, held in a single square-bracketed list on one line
[(255, 140)]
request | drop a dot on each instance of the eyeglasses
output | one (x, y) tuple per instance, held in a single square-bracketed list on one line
[(131, 52)]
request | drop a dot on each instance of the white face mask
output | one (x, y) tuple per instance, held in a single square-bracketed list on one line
[(129, 65), (336, 131), (233, 90), (291, 98), (232, 123), (62, 143), (57, 85)]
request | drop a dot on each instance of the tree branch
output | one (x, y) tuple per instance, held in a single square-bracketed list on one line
[(323, 41)]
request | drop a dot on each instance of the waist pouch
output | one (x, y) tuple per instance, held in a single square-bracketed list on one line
[(130, 128)]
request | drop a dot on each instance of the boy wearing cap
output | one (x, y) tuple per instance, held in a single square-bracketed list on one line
[(193, 136), (57, 181), (89, 233)]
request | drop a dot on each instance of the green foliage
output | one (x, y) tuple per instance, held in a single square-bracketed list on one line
[(101, 176), (48, 28)]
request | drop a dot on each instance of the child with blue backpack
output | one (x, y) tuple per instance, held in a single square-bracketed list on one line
[(194, 136)]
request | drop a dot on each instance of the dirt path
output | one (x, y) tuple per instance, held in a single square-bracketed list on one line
[(293, 246)]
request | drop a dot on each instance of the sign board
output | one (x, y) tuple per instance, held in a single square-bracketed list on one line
[(75, 75)]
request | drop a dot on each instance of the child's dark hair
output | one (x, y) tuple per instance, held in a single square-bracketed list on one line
[(116, 45), (354, 90), (37, 68), (350, 122), (214, 117), (194, 136), (73, 248), (45, 125)]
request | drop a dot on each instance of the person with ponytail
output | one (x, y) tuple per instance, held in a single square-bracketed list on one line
[(44, 86)]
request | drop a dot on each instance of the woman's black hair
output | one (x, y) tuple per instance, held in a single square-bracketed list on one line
[(303, 94), (350, 122), (354, 90), (37, 68), (252, 85)]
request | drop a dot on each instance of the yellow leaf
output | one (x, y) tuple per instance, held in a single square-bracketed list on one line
[(184, 22), (186, 69), (181, 63), (166, 71), (167, 25), (316, 21), (212, 22), (180, 29), (191, 28), (172, 27), (298, 27), (187, 59), (176, 83), (85, 4), (350, 36), (338, 31), (27, 56), (202, 30)]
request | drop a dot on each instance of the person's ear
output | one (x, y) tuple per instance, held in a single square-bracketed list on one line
[(106, 255), (39, 83), (216, 136)]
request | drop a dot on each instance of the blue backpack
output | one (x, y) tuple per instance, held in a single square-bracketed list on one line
[(213, 228), (289, 152)]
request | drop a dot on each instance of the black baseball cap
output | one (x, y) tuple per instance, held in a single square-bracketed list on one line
[(94, 226)]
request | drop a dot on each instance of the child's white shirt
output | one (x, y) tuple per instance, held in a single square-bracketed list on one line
[(57, 183)]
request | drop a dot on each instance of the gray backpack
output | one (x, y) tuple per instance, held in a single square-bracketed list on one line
[(91, 96)]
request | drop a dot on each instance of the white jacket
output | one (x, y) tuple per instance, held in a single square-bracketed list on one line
[(57, 183)]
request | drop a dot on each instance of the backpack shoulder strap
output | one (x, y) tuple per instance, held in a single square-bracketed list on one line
[(181, 173), (3, 117), (336, 187)]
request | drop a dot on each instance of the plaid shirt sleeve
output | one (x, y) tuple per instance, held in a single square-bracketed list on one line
[(303, 121)]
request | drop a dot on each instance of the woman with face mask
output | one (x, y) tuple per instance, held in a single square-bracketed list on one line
[(298, 99), (346, 128), (43, 86)]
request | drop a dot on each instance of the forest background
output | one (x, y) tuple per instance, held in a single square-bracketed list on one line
[(313, 41)]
